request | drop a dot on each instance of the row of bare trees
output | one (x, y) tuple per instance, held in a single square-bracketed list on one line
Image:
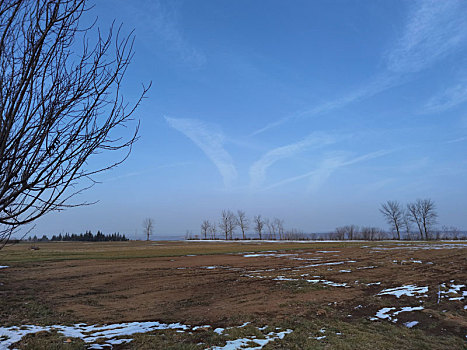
[(353, 232), (421, 213), (415, 220), (229, 222)]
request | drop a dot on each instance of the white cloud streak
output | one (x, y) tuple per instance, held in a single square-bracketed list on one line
[(434, 29), (259, 168), (449, 98), (377, 85), (211, 141), (160, 21), (327, 168)]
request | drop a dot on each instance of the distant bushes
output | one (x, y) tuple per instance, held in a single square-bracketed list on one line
[(83, 237)]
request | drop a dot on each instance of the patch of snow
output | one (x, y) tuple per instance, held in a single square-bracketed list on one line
[(345, 270), (387, 312), (282, 278), (374, 284), (328, 251), (408, 290), (243, 342), (219, 330), (329, 283), (452, 291), (3, 267), (411, 324)]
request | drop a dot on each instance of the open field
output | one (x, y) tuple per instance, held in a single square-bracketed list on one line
[(224, 295)]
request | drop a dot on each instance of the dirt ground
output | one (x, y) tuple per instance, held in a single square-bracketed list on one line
[(346, 282)]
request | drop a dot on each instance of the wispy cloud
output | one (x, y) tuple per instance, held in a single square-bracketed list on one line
[(377, 85), (449, 98), (160, 22), (327, 167), (211, 141), (259, 168), (460, 139), (137, 173), (433, 30)]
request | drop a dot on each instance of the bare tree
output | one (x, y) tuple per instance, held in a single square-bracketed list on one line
[(407, 224), (212, 230), (259, 224), (205, 225), (339, 233), (423, 213), (228, 223), (242, 222), (428, 215), (270, 224), (414, 215), (148, 227), (59, 106), (351, 231), (279, 226), (372, 233), (394, 215)]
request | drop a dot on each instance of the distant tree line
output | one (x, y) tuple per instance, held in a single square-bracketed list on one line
[(414, 221), (84, 237)]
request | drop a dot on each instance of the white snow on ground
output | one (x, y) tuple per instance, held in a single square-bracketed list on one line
[(452, 291), (408, 290), (108, 334), (3, 267), (330, 283), (326, 282), (387, 313), (424, 246), (88, 333), (328, 251), (410, 324), (244, 342), (264, 254), (366, 267)]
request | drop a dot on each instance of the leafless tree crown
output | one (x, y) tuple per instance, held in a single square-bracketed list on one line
[(258, 224), (242, 222), (394, 215), (228, 223), (423, 213), (60, 100), (148, 227)]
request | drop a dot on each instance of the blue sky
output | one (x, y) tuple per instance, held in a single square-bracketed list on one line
[(311, 111)]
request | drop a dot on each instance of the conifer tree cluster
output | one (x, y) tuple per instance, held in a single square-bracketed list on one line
[(85, 237)]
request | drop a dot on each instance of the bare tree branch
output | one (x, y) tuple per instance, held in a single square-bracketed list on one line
[(58, 107)]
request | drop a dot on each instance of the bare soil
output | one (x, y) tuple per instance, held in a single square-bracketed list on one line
[(230, 288)]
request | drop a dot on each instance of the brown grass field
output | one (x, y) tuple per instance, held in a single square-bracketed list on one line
[(324, 295)]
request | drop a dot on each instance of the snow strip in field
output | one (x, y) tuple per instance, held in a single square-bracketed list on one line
[(326, 282), (408, 290), (411, 324), (3, 267), (452, 291), (330, 283), (247, 342), (88, 333), (105, 336), (386, 313), (424, 246), (275, 255)]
